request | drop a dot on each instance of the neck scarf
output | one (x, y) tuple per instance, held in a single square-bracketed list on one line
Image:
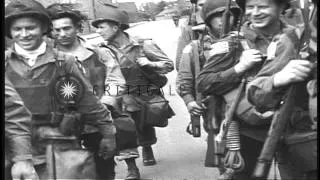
[(31, 56)]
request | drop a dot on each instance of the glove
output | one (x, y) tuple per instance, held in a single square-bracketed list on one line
[(247, 60), (107, 147), (24, 170), (294, 71)]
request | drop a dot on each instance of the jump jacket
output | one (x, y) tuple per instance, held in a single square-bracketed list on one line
[(219, 77), (35, 86)]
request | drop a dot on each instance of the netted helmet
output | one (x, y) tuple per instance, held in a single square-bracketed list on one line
[(211, 7), (114, 14), (25, 8)]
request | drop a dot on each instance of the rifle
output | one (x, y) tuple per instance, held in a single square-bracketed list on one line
[(226, 19), (193, 19), (280, 118), (195, 120)]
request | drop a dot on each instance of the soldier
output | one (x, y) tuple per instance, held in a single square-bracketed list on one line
[(196, 54), (18, 154), (54, 88), (187, 34), (127, 53), (299, 148), (238, 61), (66, 24)]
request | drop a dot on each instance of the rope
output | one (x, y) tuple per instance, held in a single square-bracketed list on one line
[(233, 161)]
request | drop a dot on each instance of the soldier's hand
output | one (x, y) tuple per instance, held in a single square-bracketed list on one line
[(294, 71), (247, 59), (107, 147), (24, 170), (163, 67), (194, 109), (142, 61)]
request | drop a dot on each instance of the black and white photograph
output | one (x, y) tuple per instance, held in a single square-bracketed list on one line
[(160, 90)]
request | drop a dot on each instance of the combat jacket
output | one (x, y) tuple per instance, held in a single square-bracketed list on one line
[(219, 77), (127, 51), (95, 69), (36, 85), (265, 96), (17, 125), (186, 77)]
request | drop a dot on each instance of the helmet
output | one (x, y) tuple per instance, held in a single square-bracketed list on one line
[(114, 14), (287, 3), (56, 11), (211, 7), (22, 8)]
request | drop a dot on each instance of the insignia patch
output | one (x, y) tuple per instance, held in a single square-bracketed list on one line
[(68, 90), (219, 48)]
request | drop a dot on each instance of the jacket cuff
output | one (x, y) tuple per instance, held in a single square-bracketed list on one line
[(21, 148), (188, 98), (233, 75)]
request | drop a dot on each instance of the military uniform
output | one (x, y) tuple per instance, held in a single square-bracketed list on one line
[(136, 84), (219, 78), (299, 149), (55, 89), (17, 129)]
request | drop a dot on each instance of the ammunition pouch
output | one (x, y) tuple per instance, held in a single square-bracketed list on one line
[(65, 159), (302, 150), (65, 163), (155, 111)]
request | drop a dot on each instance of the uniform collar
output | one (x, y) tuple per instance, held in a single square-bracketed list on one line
[(83, 51), (122, 40), (47, 57), (253, 35), (30, 54)]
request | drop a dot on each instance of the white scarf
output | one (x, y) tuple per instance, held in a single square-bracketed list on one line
[(31, 56)]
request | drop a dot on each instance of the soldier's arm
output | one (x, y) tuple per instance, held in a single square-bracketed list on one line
[(17, 124), (184, 39), (185, 78), (158, 60), (218, 75), (261, 91)]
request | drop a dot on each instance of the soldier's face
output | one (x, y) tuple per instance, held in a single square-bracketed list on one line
[(200, 5), (262, 13), (27, 32), (64, 31), (107, 30), (216, 23)]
